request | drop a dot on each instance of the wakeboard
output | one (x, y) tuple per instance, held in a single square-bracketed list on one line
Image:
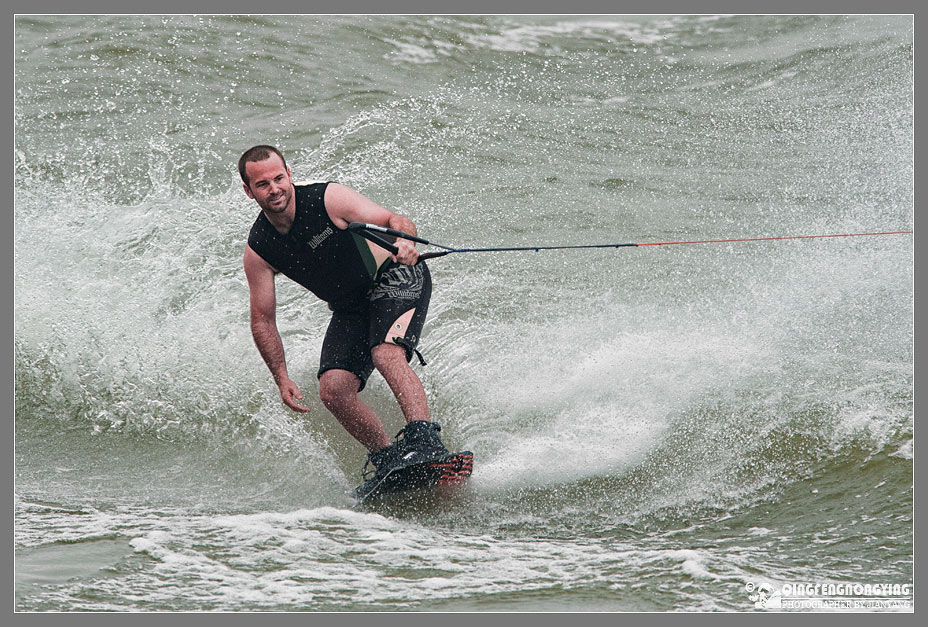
[(450, 470)]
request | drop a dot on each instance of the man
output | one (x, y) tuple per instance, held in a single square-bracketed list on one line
[(378, 299)]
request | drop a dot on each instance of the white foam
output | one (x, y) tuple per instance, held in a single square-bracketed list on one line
[(532, 38), (695, 569), (691, 562), (350, 555), (410, 53), (906, 451), (273, 559)]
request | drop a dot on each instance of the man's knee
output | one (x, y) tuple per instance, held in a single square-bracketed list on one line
[(388, 355), (338, 387)]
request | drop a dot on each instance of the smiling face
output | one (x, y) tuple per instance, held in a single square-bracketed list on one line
[(270, 184)]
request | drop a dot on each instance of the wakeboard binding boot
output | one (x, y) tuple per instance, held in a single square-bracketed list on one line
[(416, 458), (416, 443)]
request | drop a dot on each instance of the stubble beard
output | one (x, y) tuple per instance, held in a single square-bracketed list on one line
[(278, 209)]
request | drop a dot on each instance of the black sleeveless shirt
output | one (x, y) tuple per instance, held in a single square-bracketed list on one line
[(334, 264)]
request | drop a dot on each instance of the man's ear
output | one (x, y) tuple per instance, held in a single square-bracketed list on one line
[(247, 190)]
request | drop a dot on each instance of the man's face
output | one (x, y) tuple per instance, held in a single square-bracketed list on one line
[(269, 184)]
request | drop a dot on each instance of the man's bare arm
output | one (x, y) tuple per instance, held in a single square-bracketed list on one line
[(345, 205), (263, 301)]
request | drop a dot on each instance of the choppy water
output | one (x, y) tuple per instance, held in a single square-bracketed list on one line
[(653, 427)]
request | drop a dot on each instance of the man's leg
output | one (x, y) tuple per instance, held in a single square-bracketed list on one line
[(390, 361), (338, 390), (399, 304), (420, 435)]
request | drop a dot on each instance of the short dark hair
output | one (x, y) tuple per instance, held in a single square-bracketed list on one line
[(257, 153)]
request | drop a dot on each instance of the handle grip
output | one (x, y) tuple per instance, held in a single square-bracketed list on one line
[(365, 230), (363, 227), (433, 254), (380, 241)]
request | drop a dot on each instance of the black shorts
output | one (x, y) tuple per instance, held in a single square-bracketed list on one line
[(377, 319)]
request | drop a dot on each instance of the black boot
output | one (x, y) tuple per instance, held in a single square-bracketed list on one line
[(382, 461), (416, 443), (419, 442), (419, 459)]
